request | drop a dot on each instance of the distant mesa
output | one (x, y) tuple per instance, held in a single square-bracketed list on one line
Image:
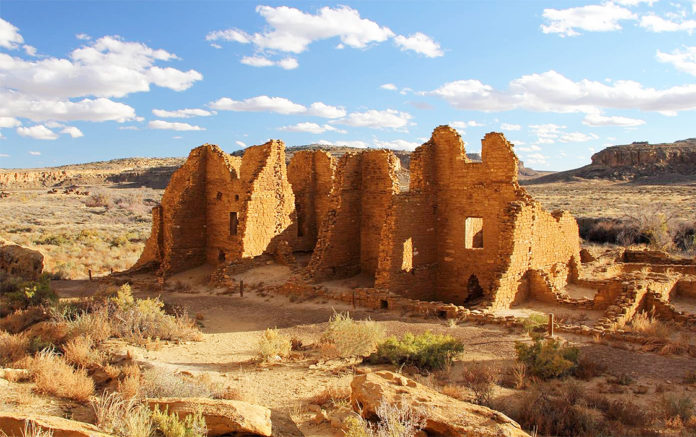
[(638, 162)]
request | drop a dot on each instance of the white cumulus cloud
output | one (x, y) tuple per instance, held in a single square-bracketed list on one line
[(279, 105), (419, 43), (376, 119), (510, 126), (72, 131), (312, 128), (38, 132), (182, 113), (683, 60), (388, 86), (34, 153), (591, 18), (397, 144), (10, 38), (602, 120), (553, 92), (658, 24), (166, 125), (290, 30)]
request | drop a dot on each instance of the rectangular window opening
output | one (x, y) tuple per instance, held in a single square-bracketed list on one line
[(473, 233), (234, 222)]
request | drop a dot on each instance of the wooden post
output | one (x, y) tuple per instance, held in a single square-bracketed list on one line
[(89, 271), (550, 330), (241, 288)]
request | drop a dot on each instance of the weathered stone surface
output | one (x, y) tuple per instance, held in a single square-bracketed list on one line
[(13, 425), (465, 233), (221, 416), (21, 262), (445, 416), (218, 207)]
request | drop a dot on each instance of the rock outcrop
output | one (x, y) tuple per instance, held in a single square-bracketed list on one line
[(13, 425), (445, 416), (222, 417), (655, 163), (20, 262)]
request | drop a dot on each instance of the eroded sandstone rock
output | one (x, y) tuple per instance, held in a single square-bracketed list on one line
[(445, 416), (20, 262), (221, 416), (13, 425)]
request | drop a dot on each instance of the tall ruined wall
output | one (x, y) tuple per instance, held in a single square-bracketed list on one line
[(271, 204), (349, 239), (408, 247), (226, 194), (221, 208), (311, 175)]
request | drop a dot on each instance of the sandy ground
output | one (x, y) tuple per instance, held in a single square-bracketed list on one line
[(232, 326)]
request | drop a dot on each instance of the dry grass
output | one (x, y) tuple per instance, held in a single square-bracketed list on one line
[(352, 338), (75, 238), (130, 386), (80, 351), (393, 421), (273, 345), (96, 324), (647, 324), (13, 347), (157, 383), (481, 379), (54, 376), (121, 417), (332, 395)]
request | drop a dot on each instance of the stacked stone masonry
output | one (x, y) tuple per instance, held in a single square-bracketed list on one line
[(464, 233)]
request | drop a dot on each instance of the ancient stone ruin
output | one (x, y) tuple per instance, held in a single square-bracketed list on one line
[(465, 232)]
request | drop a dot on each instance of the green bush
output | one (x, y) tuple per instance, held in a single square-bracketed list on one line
[(193, 425), (426, 351), (53, 240), (547, 358), (31, 293), (535, 323)]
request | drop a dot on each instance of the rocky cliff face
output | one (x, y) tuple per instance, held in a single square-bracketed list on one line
[(680, 155), (639, 161)]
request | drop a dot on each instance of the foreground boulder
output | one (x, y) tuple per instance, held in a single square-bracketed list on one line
[(445, 416), (20, 262), (13, 425), (221, 416)]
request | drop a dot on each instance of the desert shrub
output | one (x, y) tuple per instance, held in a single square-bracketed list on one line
[(96, 324), (426, 351), (141, 320), (514, 376), (124, 418), (31, 429), (480, 379), (393, 421), (673, 406), (350, 337), (13, 347), (161, 384), (684, 236), (588, 369), (98, 200), (129, 386), (80, 351), (53, 240), (535, 323), (32, 293), (38, 343), (547, 358), (332, 395), (628, 413), (193, 425), (554, 415), (647, 324), (54, 376), (273, 345), (690, 377)]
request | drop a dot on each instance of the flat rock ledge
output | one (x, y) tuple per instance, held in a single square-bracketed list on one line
[(445, 416), (221, 416)]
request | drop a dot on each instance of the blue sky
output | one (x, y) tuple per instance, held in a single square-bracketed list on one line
[(86, 81)]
